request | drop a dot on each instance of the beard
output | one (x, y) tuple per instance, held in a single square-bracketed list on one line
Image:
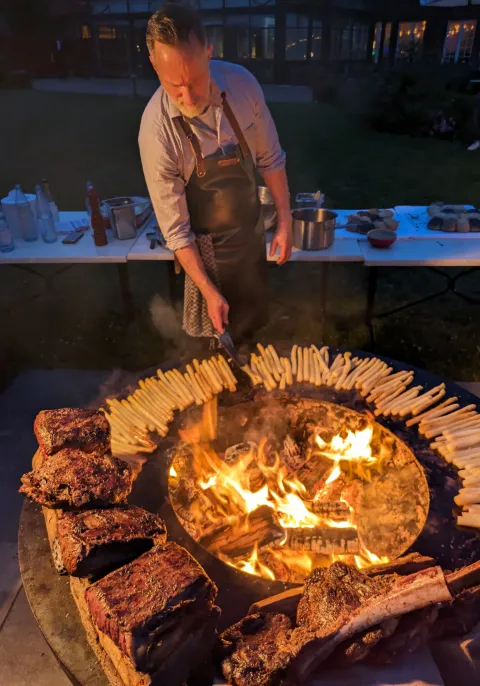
[(192, 111)]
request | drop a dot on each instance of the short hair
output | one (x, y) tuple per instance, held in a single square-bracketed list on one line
[(173, 24)]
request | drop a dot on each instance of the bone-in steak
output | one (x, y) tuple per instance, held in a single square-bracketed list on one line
[(150, 606), (94, 542), (87, 430), (73, 479), (256, 651)]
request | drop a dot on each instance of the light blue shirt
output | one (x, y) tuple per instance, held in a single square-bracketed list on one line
[(167, 158)]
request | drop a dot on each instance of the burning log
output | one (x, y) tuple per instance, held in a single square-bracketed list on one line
[(336, 509), (409, 564), (259, 528), (324, 540), (292, 455)]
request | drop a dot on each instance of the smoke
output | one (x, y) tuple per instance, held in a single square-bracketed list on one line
[(167, 320)]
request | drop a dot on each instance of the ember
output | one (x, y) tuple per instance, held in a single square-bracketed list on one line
[(254, 506)]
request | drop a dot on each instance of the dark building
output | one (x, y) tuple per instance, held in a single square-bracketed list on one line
[(282, 41)]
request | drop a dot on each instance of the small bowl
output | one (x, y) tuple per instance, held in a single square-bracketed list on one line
[(381, 238)]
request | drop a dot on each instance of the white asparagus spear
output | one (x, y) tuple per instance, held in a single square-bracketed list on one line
[(306, 365), (160, 388), (457, 413), (468, 496), (372, 369), (321, 359), (438, 430), (288, 370), (369, 383), (157, 398), (127, 429), (231, 379), (268, 379), (187, 398), (124, 412), (400, 400), (183, 384), (360, 369), (276, 359), (401, 383), (253, 377), (420, 407), (452, 435), (265, 358), (145, 400), (444, 408), (149, 416), (197, 390), (272, 367), (293, 359), (381, 407), (462, 443), (299, 365), (469, 519), (283, 381), (384, 385), (311, 365), (344, 372), (204, 385), (317, 370), (134, 416)]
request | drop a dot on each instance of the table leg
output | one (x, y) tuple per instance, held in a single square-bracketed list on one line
[(324, 294), (371, 293), (124, 281)]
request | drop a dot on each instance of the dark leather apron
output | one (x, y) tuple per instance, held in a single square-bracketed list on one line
[(222, 199)]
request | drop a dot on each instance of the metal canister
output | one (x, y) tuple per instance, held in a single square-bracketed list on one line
[(268, 208), (122, 217), (313, 229)]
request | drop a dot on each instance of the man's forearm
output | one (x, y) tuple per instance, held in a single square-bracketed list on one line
[(192, 263), (277, 184)]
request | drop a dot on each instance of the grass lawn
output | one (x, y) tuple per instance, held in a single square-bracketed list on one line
[(73, 138)]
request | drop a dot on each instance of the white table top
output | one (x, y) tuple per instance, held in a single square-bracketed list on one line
[(413, 222), (344, 249), (423, 253), (85, 251), (415, 246)]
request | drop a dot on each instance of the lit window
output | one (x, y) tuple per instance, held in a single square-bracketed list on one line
[(254, 35), (377, 39), (296, 37), (107, 32), (410, 40), (85, 31), (386, 40), (459, 41)]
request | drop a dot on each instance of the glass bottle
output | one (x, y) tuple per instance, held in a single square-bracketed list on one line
[(44, 216), (6, 240), (53, 206), (26, 220), (97, 220)]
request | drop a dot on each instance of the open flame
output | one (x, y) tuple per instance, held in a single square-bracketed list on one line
[(259, 479)]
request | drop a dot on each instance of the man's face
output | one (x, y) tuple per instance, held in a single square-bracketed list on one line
[(184, 72)]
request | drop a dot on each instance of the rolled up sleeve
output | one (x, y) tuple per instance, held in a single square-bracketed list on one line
[(166, 187), (270, 156)]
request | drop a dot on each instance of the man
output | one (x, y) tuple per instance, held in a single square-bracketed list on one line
[(203, 135)]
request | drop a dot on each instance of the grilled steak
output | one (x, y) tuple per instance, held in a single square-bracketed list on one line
[(256, 651), (87, 430), (94, 542), (151, 605), (340, 602), (74, 479)]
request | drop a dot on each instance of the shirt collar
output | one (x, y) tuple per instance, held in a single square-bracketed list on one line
[(216, 101)]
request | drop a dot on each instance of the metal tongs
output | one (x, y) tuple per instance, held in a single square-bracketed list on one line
[(228, 345)]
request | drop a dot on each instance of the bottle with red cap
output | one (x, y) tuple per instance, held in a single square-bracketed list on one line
[(97, 220)]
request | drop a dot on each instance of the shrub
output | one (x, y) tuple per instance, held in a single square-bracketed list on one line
[(409, 100)]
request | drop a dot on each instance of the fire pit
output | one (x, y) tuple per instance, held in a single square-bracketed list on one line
[(289, 484), (263, 487)]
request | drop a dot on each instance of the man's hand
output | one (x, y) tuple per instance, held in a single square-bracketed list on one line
[(217, 308), (282, 240)]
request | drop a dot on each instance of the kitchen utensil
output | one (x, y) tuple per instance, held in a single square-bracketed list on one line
[(121, 212), (309, 200), (381, 238), (228, 345), (155, 237), (268, 208), (313, 229)]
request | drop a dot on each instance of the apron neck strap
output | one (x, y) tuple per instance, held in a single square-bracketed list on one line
[(194, 144), (232, 120)]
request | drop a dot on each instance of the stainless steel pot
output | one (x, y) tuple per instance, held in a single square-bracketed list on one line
[(313, 229)]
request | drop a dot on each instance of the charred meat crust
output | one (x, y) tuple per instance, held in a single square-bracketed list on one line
[(74, 479), (86, 430), (97, 541), (140, 605)]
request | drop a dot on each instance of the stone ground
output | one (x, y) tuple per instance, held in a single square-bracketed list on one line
[(25, 657)]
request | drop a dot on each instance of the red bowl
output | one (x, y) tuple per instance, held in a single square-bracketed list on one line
[(381, 238)]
